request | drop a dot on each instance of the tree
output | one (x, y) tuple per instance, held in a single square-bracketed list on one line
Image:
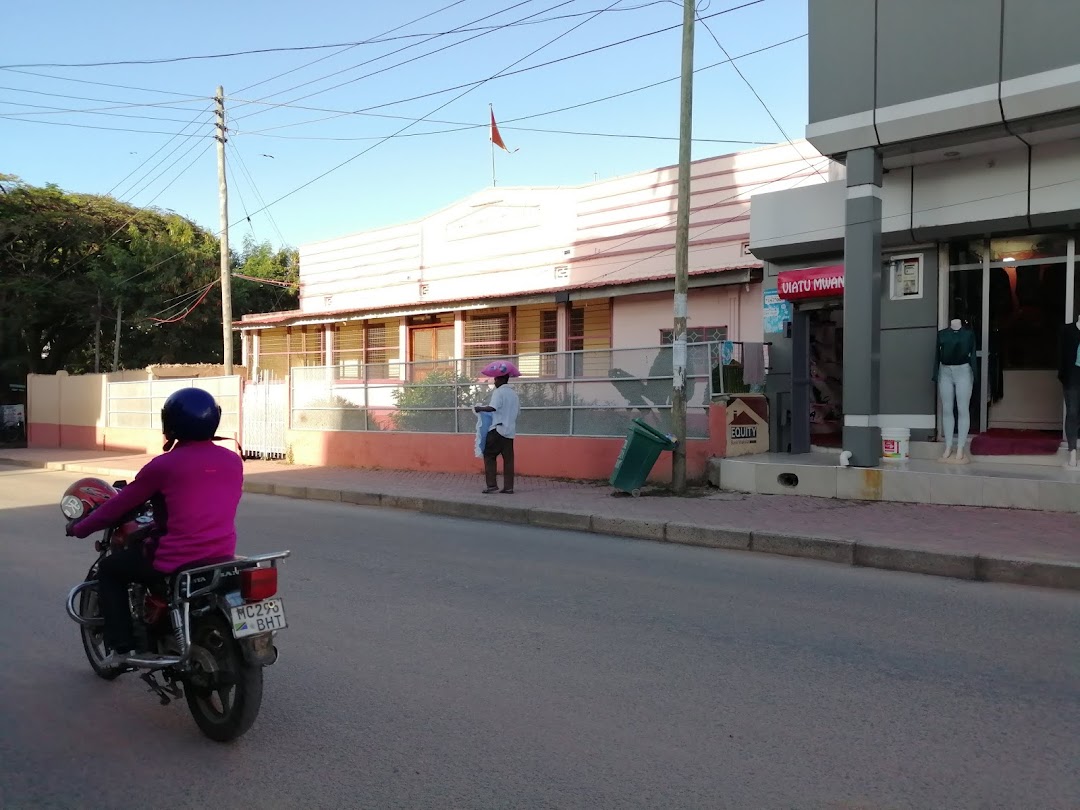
[(71, 264)]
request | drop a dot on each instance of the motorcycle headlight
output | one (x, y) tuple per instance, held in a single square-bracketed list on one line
[(72, 507)]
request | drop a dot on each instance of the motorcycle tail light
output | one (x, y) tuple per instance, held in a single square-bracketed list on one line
[(257, 584)]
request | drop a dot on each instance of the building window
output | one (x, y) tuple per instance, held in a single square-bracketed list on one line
[(536, 339), (291, 347), (487, 335), (590, 335), (696, 334), (367, 349)]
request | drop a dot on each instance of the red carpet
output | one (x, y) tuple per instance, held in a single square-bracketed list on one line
[(1000, 442)]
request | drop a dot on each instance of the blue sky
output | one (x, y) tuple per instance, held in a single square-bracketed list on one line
[(405, 177)]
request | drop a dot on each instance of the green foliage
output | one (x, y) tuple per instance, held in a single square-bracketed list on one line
[(71, 263), (441, 389), (333, 413)]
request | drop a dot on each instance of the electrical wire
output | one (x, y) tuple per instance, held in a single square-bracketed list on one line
[(240, 193), (190, 123), (258, 193), (193, 97), (441, 106), (406, 61), (289, 48), (350, 47), (183, 315), (6, 117), (477, 83), (69, 111), (164, 171), (753, 90)]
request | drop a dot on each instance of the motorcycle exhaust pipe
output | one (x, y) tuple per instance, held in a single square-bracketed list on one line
[(73, 611)]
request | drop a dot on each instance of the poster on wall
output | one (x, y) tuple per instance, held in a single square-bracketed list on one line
[(906, 279), (777, 312)]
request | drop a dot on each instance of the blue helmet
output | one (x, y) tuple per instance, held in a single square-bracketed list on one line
[(191, 415)]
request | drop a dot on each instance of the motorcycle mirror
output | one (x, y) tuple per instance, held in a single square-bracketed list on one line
[(119, 484)]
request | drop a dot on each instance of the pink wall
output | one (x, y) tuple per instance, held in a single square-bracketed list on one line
[(637, 320), (509, 241), (576, 457)]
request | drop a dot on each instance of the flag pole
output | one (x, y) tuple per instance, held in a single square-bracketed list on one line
[(491, 137)]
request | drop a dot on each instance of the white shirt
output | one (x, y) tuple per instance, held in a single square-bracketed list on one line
[(505, 402)]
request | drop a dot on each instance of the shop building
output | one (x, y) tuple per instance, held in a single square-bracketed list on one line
[(959, 201)]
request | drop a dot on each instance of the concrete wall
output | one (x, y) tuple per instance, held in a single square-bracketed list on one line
[(575, 457), (886, 72), (637, 320), (71, 411), (1002, 191)]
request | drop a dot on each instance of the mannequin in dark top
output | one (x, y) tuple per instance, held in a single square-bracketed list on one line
[(1069, 374), (954, 372)]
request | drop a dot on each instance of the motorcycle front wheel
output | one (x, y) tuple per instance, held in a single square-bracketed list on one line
[(93, 638), (223, 691)]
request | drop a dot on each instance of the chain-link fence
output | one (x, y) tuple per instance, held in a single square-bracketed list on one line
[(137, 405), (582, 393)]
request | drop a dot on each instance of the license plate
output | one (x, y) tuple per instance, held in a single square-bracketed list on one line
[(258, 617)]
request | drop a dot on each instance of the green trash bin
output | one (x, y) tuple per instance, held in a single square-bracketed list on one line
[(642, 448)]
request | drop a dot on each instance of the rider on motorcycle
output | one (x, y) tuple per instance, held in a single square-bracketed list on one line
[(195, 490)]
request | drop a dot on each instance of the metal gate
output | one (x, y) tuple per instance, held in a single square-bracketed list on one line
[(265, 418)]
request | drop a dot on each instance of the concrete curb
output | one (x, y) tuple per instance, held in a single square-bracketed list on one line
[(975, 567)]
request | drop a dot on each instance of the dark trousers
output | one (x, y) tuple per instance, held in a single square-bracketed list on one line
[(1072, 409), (496, 445), (115, 573)]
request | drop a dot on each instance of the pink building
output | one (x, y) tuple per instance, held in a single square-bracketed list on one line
[(528, 271)]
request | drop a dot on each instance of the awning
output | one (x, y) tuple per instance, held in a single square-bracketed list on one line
[(814, 282)]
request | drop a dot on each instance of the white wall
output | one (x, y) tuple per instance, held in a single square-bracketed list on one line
[(637, 320)]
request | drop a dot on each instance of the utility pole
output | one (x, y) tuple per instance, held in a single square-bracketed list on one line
[(223, 208), (682, 252), (116, 338), (97, 336)]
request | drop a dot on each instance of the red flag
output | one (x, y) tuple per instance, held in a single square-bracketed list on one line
[(496, 138)]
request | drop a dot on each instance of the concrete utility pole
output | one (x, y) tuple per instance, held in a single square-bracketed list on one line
[(223, 207), (116, 338), (682, 252)]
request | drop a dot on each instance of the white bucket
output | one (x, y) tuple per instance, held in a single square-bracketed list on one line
[(895, 444)]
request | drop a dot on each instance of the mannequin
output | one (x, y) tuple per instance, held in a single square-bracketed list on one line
[(1069, 374), (954, 372)]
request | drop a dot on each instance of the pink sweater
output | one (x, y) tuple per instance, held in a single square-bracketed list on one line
[(195, 490)]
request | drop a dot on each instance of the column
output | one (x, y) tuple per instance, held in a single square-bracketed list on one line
[(562, 339), (245, 339), (459, 343), (254, 355), (862, 308)]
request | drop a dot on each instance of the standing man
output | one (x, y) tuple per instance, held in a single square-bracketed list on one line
[(504, 409)]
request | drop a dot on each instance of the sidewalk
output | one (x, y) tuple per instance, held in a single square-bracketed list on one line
[(998, 545)]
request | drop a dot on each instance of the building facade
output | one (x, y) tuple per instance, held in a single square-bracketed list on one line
[(960, 201), (532, 271)]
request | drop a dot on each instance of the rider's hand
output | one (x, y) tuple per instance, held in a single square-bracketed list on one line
[(70, 531)]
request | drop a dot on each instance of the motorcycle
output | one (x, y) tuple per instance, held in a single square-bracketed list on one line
[(207, 629)]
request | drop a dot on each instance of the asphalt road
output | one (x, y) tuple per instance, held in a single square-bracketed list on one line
[(440, 663)]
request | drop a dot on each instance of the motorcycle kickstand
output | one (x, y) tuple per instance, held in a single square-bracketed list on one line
[(164, 692)]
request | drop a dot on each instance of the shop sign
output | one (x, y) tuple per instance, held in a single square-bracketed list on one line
[(816, 282), (777, 312), (747, 426)]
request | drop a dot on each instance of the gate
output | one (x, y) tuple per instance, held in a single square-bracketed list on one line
[(265, 414)]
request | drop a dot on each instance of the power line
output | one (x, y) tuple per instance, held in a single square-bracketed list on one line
[(194, 97), (161, 174), (463, 126), (9, 117), (295, 48), (350, 47), (466, 127), (116, 105), (258, 194), (68, 111), (193, 121), (479, 82), (753, 90), (406, 61), (441, 106), (243, 202)]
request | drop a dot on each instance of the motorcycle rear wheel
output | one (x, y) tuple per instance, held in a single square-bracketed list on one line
[(223, 692), (93, 638)]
